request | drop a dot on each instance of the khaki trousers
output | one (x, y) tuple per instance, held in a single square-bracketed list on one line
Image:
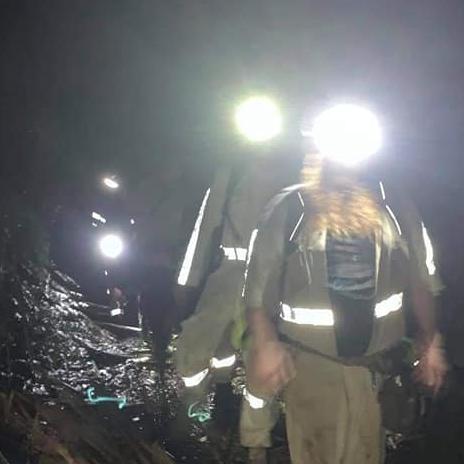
[(332, 413), (256, 424)]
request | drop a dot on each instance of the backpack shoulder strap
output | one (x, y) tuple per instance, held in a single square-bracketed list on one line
[(293, 222), (285, 195)]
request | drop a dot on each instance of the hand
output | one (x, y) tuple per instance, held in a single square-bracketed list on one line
[(432, 366), (269, 369)]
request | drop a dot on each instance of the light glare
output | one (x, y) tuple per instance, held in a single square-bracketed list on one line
[(111, 183), (111, 246), (258, 119), (347, 134)]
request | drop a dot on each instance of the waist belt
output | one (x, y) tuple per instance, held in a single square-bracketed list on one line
[(364, 361), (325, 317)]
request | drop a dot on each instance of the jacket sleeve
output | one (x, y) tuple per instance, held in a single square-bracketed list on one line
[(265, 258), (421, 251), (195, 263)]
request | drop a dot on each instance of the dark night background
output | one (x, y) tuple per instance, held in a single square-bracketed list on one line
[(95, 86), (88, 87)]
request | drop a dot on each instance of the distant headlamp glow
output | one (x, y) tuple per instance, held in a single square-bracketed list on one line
[(98, 217), (347, 134), (110, 183), (111, 246), (258, 119)]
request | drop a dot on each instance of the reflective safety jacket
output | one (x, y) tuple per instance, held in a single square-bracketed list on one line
[(227, 216), (290, 273)]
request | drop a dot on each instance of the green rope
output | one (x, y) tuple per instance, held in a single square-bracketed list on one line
[(91, 398), (202, 415)]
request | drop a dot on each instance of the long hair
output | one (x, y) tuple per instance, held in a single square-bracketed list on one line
[(337, 201)]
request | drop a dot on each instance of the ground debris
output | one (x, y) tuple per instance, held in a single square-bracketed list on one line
[(71, 433), (51, 343), (51, 355)]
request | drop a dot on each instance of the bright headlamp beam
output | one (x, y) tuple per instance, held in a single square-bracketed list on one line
[(347, 134), (110, 183), (111, 246), (258, 119)]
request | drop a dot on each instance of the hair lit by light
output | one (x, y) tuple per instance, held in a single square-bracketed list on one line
[(347, 134), (111, 246), (110, 183), (258, 119)]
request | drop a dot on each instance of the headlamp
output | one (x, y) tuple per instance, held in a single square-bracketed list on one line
[(346, 133), (258, 119), (111, 246)]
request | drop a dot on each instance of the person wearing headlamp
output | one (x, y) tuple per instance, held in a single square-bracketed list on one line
[(337, 263), (215, 263)]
